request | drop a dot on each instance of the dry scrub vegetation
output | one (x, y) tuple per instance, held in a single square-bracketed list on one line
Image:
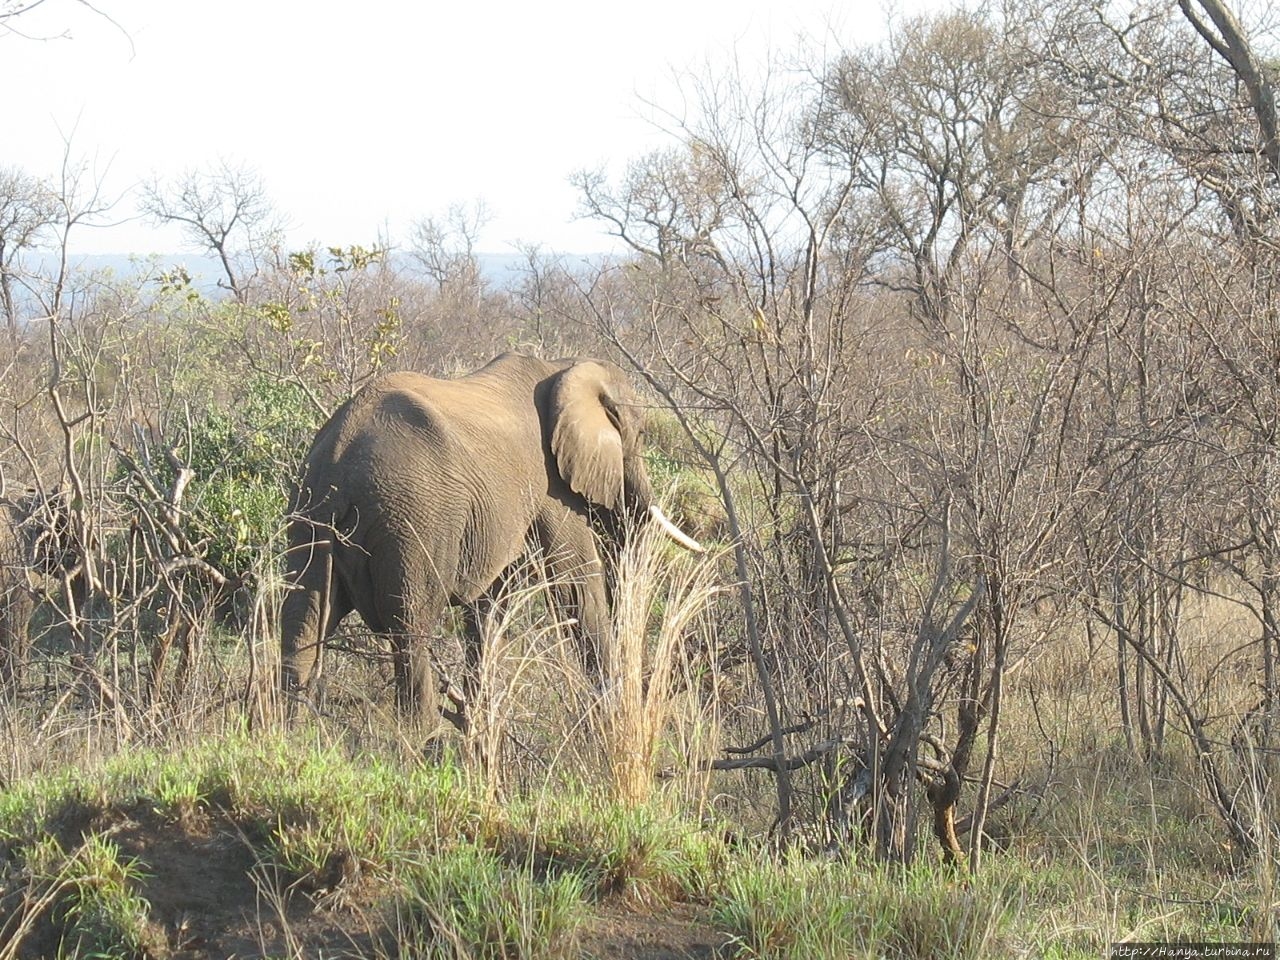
[(964, 349)]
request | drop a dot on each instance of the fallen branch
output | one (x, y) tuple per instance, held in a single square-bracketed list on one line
[(812, 755), (764, 741)]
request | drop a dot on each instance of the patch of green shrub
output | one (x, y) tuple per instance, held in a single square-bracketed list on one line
[(89, 899), (245, 454)]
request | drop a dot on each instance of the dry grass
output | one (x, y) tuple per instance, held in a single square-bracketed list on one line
[(530, 684), (1104, 845), (650, 686)]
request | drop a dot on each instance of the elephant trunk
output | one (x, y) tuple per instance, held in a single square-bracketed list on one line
[(672, 531)]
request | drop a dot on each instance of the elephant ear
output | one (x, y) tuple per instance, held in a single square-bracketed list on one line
[(585, 437)]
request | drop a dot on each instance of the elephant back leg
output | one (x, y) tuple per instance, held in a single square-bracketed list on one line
[(314, 604), (477, 615), (408, 598)]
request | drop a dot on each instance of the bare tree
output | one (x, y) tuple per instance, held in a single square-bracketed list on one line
[(27, 212), (1229, 39), (11, 10), (445, 248), (224, 211), (935, 305)]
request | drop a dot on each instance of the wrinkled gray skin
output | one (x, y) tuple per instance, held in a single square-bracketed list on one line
[(436, 487)]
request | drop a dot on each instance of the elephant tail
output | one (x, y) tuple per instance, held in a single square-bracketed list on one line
[(308, 605)]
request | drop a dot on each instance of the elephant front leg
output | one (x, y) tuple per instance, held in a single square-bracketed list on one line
[(478, 620), (578, 588), (464, 700), (584, 607)]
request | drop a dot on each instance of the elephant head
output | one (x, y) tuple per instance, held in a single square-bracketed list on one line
[(419, 493), (597, 428)]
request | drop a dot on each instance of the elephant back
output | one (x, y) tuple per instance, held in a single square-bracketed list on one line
[(408, 435)]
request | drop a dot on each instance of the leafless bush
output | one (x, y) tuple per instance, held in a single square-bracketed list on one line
[(970, 325)]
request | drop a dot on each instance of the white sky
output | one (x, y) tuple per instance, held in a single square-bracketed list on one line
[(362, 116)]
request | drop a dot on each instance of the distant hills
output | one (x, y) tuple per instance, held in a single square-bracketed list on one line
[(501, 270)]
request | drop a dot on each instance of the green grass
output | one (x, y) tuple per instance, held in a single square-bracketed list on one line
[(82, 902), (469, 902), (834, 908), (428, 857), (104, 916), (418, 841), (643, 854)]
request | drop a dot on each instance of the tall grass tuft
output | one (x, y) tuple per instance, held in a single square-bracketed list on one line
[(660, 598), (643, 855)]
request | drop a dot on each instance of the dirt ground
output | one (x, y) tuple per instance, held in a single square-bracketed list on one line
[(211, 898), (677, 934)]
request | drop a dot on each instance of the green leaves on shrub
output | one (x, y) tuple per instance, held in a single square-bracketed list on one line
[(245, 454)]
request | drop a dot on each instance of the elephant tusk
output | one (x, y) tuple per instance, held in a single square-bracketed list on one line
[(674, 532)]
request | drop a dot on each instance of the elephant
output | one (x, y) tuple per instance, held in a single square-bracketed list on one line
[(421, 493)]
